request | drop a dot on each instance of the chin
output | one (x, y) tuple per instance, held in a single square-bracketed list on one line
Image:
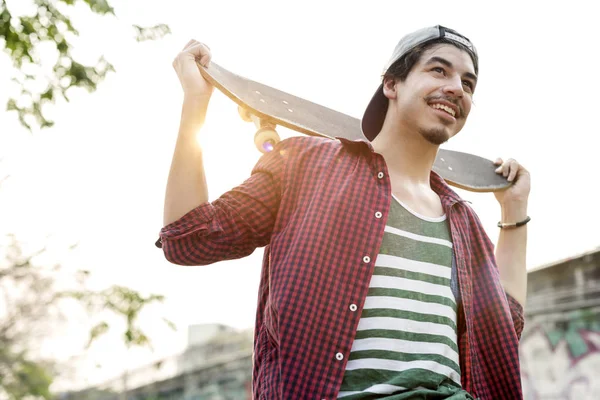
[(436, 136)]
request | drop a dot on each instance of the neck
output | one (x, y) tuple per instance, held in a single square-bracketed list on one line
[(407, 154)]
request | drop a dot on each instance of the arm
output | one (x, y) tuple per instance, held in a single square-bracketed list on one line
[(186, 185), (195, 231), (511, 260), (512, 243), (232, 226), (511, 252)]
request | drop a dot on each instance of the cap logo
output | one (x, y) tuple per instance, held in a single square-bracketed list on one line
[(459, 39)]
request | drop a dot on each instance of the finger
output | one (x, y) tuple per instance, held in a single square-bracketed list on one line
[(185, 49), (188, 44), (514, 170), (201, 53), (499, 163), (507, 167), (194, 42), (205, 60), (504, 169)]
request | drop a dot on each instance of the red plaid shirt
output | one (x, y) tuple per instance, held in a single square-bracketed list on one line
[(313, 202)]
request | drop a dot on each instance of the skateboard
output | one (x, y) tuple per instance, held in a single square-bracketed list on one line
[(268, 108)]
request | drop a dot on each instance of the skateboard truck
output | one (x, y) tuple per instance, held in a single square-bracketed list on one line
[(266, 137)]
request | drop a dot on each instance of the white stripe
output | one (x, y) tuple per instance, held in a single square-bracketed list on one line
[(384, 260), (420, 238), (399, 366), (405, 346), (416, 214), (395, 303), (393, 282), (379, 389), (406, 325)]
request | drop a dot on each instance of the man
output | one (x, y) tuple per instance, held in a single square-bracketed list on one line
[(378, 280)]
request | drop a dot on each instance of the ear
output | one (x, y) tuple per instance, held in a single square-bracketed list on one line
[(389, 87)]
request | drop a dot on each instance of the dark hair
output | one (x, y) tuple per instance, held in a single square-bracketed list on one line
[(401, 68)]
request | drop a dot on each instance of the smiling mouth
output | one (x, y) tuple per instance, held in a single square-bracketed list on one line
[(445, 108)]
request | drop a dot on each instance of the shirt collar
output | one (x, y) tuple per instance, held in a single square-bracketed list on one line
[(448, 196)]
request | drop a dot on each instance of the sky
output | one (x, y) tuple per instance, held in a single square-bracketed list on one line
[(98, 177)]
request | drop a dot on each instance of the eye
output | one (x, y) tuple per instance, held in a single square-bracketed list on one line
[(438, 69), (469, 85)]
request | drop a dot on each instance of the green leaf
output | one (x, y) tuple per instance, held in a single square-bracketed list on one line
[(100, 6), (97, 331), (48, 94), (22, 35), (151, 33), (170, 324), (11, 105)]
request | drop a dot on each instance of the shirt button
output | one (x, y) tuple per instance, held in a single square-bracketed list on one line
[(378, 214), (366, 259), (353, 307), (339, 356), (380, 175)]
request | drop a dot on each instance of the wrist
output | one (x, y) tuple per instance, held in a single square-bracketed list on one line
[(515, 224), (514, 211), (195, 102), (193, 111)]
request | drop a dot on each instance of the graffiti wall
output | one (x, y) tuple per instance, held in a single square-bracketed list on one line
[(561, 359)]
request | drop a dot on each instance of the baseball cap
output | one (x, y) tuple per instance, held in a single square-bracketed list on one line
[(375, 112)]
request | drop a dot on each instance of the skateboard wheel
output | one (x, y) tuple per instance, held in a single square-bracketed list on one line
[(245, 114), (265, 139)]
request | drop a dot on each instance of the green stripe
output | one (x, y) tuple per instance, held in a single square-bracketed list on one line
[(417, 276), (441, 393), (413, 316), (457, 394), (398, 356), (409, 294), (400, 218), (355, 380), (413, 337), (396, 245)]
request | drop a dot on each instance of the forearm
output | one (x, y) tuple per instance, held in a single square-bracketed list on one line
[(511, 252), (186, 185)]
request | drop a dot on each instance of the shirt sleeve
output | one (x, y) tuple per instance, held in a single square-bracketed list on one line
[(516, 312), (516, 309), (235, 224)]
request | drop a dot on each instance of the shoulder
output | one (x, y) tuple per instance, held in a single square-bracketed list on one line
[(473, 224), (308, 143), (467, 210), (297, 149)]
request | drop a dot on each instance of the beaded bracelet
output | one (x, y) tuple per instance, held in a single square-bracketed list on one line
[(513, 225)]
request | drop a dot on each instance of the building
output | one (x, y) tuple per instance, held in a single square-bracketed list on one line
[(216, 365), (560, 345)]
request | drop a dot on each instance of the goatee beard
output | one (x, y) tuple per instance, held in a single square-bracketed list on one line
[(436, 136)]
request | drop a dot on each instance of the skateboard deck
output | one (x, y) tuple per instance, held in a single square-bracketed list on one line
[(268, 107)]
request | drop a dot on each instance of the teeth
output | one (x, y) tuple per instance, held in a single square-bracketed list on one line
[(445, 108)]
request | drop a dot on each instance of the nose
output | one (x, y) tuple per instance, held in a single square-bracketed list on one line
[(454, 87)]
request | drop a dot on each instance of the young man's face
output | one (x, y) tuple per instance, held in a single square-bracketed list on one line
[(436, 97)]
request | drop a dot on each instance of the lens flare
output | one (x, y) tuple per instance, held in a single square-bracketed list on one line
[(268, 145)]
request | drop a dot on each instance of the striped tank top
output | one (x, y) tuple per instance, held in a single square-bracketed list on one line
[(406, 342)]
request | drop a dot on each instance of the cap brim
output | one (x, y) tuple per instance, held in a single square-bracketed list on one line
[(374, 115)]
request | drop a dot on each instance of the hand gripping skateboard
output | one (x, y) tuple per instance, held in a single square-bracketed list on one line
[(268, 107)]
